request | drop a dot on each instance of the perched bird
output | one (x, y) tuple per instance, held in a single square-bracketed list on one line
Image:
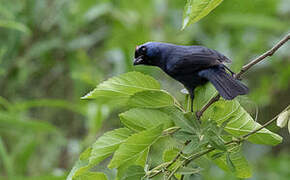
[(192, 66)]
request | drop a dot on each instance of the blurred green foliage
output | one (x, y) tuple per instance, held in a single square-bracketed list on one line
[(54, 51)]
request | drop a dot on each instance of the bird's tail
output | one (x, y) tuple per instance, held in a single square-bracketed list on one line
[(227, 86)]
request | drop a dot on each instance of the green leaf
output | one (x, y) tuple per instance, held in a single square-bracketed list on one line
[(217, 155), (132, 151), (193, 146), (14, 25), (197, 9), (151, 99), (283, 118), (81, 165), (233, 160), (240, 123), (289, 126), (230, 163), (188, 170), (118, 89), (180, 120), (170, 154), (101, 149), (107, 144), (134, 172), (91, 176), (191, 117), (139, 119), (215, 141)]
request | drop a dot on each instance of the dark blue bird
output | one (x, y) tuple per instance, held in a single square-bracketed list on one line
[(192, 66)]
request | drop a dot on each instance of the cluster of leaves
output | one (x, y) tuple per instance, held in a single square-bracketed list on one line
[(157, 129)]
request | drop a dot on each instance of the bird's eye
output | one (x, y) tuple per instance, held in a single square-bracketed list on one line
[(143, 50)]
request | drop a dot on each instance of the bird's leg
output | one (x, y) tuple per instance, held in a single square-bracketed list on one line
[(191, 101)]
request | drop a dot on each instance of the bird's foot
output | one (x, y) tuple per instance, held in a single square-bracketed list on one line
[(232, 73), (198, 114)]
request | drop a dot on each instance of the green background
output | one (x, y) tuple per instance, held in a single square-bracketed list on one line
[(52, 52)]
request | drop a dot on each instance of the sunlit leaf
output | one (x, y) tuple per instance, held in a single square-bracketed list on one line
[(118, 89), (234, 161), (107, 144), (189, 170), (283, 118), (180, 120), (91, 176), (193, 146), (170, 154), (197, 9), (230, 163), (217, 155), (241, 122), (217, 143), (151, 99), (289, 126), (134, 172), (132, 150), (139, 119), (81, 166)]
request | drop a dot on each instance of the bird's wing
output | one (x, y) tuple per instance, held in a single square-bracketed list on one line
[(195, 58)]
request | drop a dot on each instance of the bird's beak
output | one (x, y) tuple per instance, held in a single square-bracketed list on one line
[(138, 60)]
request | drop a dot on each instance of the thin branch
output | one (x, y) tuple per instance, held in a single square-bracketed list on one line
[(245, 68), (212, 100), (260, 128), (263, 56)]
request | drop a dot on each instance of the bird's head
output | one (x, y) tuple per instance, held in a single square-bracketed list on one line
[(148, 54)]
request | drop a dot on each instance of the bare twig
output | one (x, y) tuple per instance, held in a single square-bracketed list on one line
[(246, 68), (263, 56)]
